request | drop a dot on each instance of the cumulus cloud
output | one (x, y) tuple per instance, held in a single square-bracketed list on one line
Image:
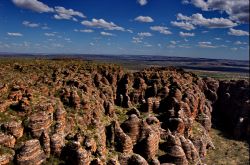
[(62, 13), (49, 34), (235, 32), (33, 5), (183, 25), (161, 29), (183, 17), (142, 2), (238, 10), (146, 19), (30, 24), (106, 34), (101, 23), (144, 34), (15, 34), (182, 34), (199, 20), (206, 45)]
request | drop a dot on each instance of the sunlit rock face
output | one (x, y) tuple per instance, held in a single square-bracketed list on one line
[(30, 153), (100, 114)]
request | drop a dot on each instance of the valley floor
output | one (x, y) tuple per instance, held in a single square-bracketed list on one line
[(227, 151)]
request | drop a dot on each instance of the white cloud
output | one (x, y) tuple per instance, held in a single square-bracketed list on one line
[(182, 34), (171, 46), (57, 45), (91, 43), (136, 40), (101, 23), (142, 2), (235, 32), (204, 31), (30, 24), (62, 13), (106, 34), (223, 46), (146, 19), (240, 43), (3, 45), (183, 25), (183, 17), (205, 42), (15, 34), (45, 27), (217, 38), (184, 46), (148, 45), (144, 34), (238, 10), (67, 39), (173, 42), (130, 31), (49, 34), (87, 30), (199, 20), (161, 29), (33, 5), (185, 2), (206, 45), (84, 30), (234, 49)]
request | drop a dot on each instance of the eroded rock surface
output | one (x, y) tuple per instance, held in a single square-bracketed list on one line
[(86, 114)]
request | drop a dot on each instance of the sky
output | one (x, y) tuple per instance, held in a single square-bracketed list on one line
[(185, 28)]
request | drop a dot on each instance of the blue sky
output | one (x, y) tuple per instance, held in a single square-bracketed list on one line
[(190, 28)]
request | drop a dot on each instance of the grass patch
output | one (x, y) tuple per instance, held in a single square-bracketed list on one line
[(227, 151)]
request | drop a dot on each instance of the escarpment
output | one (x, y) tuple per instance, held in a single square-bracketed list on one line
[(81, 113)]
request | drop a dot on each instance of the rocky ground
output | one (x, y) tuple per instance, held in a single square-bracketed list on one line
[(75, 112)]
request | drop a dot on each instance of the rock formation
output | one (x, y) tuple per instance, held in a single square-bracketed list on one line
[(30, 153), (99, 114)]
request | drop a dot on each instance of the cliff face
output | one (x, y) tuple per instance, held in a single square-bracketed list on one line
[(232, 109), (86, 114)]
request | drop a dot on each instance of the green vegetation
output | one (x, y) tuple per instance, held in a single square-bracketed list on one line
[(6, 150), (121, 113), (221, 75)]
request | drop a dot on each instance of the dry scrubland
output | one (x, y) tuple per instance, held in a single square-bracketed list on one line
[(76, 112)]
